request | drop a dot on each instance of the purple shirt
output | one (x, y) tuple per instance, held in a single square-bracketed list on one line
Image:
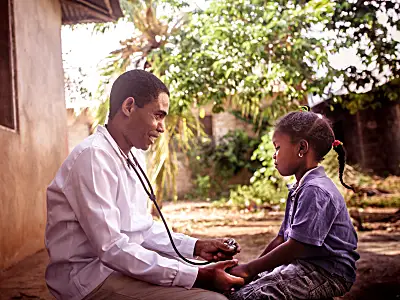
[(316, 214)]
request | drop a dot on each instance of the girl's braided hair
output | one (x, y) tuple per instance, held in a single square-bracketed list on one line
[(317, 131)]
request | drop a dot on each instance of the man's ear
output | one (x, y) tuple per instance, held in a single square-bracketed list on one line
[(128, 106), (303, 147)]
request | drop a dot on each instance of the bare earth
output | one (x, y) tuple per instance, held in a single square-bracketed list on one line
[(378, 274)]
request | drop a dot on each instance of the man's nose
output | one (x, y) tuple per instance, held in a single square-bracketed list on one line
[(274, 156), (161, 126)]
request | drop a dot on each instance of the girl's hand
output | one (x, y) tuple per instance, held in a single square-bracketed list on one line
[(241, 271)]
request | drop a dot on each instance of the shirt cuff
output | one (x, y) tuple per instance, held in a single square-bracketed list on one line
[(186, 276), (187, 246)]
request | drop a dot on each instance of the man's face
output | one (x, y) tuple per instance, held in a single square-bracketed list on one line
[(286, 154), (146, 124)]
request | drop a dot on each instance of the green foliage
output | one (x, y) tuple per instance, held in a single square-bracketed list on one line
[(263, 124), (232, 153), (264, 154), (263, 57), (221, 162), (246, 51), (374, 99), (202, 186), (369, 27), (260, 194), (267, 187)]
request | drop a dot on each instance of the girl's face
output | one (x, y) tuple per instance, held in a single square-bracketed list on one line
[(286, 157)]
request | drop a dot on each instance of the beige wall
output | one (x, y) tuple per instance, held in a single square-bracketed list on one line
[(224, 122), (31, 156)]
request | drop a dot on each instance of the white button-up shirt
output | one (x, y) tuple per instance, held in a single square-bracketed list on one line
[(97, 222)]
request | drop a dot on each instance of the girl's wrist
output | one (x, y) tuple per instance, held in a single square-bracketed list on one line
[(251, 269)]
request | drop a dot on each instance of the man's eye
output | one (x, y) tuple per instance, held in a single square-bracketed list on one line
[(277, 148)]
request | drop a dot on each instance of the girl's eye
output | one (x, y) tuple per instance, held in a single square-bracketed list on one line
[(277, 148)]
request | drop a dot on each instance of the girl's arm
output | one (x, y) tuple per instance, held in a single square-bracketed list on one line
[(272, 245), (281, 255)]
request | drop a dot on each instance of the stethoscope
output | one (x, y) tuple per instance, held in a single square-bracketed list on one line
[(150, 192)]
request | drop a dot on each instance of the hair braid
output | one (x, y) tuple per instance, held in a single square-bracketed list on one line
[(342, 160)]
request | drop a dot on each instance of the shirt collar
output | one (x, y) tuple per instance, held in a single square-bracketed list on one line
[(318, 171), (103, 130)]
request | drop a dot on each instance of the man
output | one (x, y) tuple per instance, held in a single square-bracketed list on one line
[(101, 240)]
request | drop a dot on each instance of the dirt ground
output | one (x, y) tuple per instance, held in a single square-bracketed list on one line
[(378, 274)]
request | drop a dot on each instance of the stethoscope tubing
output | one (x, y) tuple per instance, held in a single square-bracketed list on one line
[(152, 197)]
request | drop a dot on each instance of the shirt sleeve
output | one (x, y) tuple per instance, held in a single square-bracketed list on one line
[(313, 216), (91, 189), (156, 238), (285, 219), (281, 230)]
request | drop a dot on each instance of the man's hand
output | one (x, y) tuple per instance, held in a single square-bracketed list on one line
[(214, 278), (242, 271), (215, 249)]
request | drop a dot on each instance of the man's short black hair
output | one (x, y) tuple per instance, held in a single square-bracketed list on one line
[(143, 86)]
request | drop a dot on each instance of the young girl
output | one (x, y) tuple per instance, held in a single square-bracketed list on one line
[(313, 256)]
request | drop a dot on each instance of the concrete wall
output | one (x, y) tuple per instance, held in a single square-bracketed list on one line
[(224, 122), (31, 156), (184, 180)]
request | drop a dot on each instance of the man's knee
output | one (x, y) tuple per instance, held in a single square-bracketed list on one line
[(220, 297), (214, 296), (200, 294)]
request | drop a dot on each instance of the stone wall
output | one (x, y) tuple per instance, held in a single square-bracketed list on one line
[(32, 154)]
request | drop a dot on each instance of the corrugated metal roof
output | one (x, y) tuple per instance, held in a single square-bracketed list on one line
[(86, 11)]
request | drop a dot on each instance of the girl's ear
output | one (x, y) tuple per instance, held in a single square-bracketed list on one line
[(303, 147)]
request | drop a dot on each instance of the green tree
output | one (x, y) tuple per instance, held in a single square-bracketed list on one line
[(261, 56), (371, 28), (246, 51), (267, 56)]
